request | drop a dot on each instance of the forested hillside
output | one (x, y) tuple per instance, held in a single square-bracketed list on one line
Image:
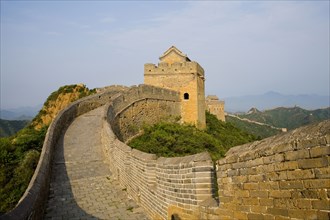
[(289, 118), (10, 127), (260, 131)]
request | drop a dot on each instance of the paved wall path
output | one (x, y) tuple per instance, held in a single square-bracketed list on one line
[(82, 186)]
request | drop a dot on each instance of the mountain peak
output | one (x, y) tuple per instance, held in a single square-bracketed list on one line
[(253, 110)]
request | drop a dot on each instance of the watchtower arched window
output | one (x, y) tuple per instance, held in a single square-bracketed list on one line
[(186, 96)]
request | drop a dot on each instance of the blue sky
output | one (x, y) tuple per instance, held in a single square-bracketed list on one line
[(245, 47)]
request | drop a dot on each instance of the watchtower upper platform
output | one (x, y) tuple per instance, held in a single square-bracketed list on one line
[(173, 55)]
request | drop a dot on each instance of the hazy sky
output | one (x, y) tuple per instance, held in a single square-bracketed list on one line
[(245, 47)]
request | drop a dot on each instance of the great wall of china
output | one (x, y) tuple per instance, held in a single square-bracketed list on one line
[(281, 177)]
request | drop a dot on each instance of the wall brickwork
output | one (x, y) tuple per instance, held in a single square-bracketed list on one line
[(142, 105), (215, 107), (32, 203), (282, 177), (178, 73), (165, 187)]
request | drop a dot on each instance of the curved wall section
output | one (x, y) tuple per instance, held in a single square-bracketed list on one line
[(281, 177), (142, 105), (31, 205), (165, 187)]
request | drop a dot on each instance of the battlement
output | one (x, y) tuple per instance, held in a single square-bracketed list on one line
[(174, 68)]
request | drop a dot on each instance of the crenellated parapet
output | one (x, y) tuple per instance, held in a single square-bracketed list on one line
[(174, 68), (177, 72)]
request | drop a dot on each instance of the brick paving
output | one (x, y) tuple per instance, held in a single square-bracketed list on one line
[(82, 186)]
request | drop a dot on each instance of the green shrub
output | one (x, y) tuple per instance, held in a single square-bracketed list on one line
[(171, 139)]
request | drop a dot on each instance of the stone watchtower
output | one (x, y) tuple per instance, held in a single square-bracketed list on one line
[(216, 107), (177, 72)]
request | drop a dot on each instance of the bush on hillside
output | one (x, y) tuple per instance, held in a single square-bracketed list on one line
[(172, 140)]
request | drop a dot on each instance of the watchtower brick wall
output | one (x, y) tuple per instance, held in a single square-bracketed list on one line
[(178, 73), (215, 107)]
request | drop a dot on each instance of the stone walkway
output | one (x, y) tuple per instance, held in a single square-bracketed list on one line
[(82, 186)]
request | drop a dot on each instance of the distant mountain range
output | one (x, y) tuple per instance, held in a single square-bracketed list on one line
[(22, 113), (8, 128), (270, 122), (272, 99)]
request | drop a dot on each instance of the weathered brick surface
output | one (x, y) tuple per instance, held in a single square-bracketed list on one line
[(276, 178), (163, 186), (281, 177), (32, 203)]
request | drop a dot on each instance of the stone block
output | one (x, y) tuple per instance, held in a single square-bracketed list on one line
[(203, 174), (259, 209), (278, 211), (313, 163), (300, 174), (240, 215), (239, 179), (221, 161), (250, 186), (255, 162), (304, 203), (224, 167), (298, 214), (320, 151), (243, 208), (306, 193), (273, 158), (233, 173), (248, 171), (232, 159), (259, 194), (246, 156), (255, 216), (295, 155), (303, 214), (321, 204), (322, 173), (225, 180), (324, 193), (323, 214), (250, 201), (285, 203), (298, 184), (225, 213), (317, 183), (226, 199), (269, 185), (257, 178), (242, 193), (276, 176), (239, 165), (265, 168), (288, 165), (280, 194), (202, 169), (266, 201)]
